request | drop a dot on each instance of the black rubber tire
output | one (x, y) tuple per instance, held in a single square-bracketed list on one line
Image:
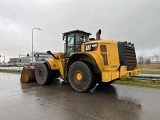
[(87, 81), (44, 76)]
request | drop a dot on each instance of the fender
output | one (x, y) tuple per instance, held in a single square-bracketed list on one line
[(91, 57), (44, 61)]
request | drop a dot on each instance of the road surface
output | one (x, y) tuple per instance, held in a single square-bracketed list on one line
[(30, 101)]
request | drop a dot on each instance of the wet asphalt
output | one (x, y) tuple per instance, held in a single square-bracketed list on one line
[(30, 101)]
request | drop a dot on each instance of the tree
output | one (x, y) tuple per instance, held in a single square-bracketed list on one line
[(157, 56), (148, 60), (141, 59)]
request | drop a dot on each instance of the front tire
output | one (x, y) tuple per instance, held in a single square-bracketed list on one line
[(43, 75), (81, 76)]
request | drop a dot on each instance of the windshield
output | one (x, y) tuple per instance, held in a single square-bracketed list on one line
[(80, 38)]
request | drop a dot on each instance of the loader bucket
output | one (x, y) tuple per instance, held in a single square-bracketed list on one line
[(28, 74)]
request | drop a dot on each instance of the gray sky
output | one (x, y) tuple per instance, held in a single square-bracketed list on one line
[(137, 21)]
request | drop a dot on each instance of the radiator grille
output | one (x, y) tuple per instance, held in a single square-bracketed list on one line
[(131, 60)]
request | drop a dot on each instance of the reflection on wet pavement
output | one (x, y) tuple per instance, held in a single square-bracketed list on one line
[(60, 102)]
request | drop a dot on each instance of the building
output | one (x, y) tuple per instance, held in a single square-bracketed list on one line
[(22, 61)]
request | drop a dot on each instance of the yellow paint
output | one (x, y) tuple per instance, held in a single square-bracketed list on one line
[(106, 76), (109, 72), (78, 76), (57, 64), (109, 75), (124, 73)]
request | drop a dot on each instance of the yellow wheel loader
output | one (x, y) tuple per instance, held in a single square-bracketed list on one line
[(86, 62)]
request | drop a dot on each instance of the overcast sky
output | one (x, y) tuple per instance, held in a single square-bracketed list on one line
[(137, 21)]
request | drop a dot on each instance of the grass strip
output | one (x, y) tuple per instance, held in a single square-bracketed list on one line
[(150, 72), (11, 71), (140, 83)]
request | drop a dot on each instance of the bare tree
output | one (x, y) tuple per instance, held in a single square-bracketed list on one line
[(141, 59), (148, 60), (157, 56)]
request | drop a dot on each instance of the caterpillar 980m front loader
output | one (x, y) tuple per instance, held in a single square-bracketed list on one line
[(86, 62)]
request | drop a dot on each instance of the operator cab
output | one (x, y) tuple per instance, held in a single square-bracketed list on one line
[(73, 40)]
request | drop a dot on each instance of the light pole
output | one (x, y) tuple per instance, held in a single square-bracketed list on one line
[(19, 51), (4, 55), (32, 41)]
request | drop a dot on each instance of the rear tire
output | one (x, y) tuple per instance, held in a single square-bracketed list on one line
[(81, 76), (44, 76)]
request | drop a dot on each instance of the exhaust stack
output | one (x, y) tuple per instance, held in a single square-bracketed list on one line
[(98, 37)]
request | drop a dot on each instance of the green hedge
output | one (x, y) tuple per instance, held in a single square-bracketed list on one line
[(11, 71)]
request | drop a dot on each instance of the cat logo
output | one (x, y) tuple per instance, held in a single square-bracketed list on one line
[(91, 47)]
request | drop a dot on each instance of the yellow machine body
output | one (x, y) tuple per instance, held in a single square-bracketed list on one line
[(110, 69), (104, 61)]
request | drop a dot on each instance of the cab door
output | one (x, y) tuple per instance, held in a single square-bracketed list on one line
[(70, 44)]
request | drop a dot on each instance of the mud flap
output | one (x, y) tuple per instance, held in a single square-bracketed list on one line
[(28, 74)]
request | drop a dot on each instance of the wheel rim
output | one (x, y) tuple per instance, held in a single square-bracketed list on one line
[(78, 76)]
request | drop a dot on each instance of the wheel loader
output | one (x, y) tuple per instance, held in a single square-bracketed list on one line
[(85, 62)]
